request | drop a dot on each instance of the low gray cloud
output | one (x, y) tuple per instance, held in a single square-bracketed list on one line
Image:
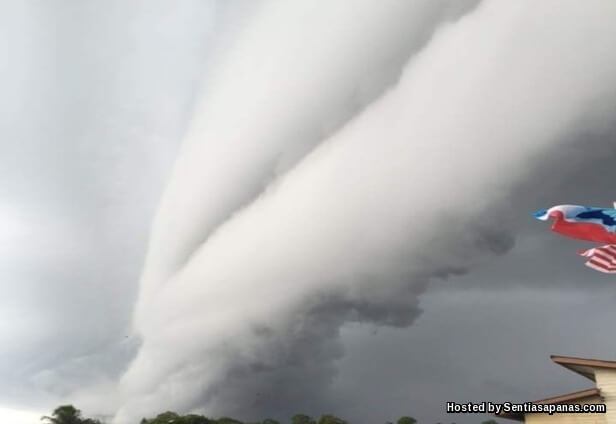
[(95, 100)]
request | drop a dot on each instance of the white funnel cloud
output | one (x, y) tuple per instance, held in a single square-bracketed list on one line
[(295, 72)]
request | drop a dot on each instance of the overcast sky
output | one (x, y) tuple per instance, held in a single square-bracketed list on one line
[(258, 209)]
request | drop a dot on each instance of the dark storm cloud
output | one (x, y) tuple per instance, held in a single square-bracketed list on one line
[(471, 345), (301, 362), (579, 173)]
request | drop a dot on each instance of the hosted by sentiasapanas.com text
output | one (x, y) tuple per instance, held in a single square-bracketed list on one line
[(525, 408)]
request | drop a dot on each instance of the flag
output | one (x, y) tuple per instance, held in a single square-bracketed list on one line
[(582, 222), (602, 258)]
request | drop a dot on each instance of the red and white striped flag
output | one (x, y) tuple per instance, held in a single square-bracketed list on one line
[(602, 258)]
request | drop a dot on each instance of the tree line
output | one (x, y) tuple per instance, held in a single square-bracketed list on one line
[(68, 414)]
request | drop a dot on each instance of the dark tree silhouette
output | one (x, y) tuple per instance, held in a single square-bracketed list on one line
[(331, 419), (302, 419), (65, 414)]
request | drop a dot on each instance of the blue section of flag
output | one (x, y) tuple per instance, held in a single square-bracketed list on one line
[(598, 215), (540, 213)]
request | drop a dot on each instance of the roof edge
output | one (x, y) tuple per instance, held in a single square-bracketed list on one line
[(582, 394), (588, 362)]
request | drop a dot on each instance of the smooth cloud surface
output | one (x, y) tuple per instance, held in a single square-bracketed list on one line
[(293, 74)]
